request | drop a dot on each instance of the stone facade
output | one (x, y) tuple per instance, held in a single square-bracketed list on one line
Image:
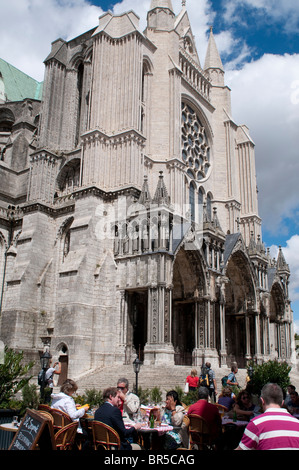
[(129, 215)]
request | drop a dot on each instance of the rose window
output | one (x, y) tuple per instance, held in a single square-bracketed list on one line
[(195, 146)]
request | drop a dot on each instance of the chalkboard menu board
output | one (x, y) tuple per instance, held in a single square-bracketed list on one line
[(35, 429)]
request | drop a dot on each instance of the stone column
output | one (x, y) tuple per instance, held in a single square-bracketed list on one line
[(247, 337), (223, 352), (199, 349), (159, 349)]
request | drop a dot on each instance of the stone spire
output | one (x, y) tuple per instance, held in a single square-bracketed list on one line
[(161, 196), (158, 21), (145, 197), (282, 265), (213, 60), (161, 4)]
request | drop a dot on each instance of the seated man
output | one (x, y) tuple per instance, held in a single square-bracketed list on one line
[(109, 414), (130, 402), (275, 429), (208, 411)]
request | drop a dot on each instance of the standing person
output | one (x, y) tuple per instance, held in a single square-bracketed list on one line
[(110, 414), (129, 401), (49, 377), (232, 379), (212, 385), (275, 429), (49, 380), (192, 380)]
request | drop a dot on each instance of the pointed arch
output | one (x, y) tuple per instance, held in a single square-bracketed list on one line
[(68, 178), (240, 307)]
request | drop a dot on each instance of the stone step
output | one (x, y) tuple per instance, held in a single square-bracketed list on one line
[(166, 378)]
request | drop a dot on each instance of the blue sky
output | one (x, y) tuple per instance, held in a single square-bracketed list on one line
[(259, 44)]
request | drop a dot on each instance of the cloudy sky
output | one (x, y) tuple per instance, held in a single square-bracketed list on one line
[(259, 44)]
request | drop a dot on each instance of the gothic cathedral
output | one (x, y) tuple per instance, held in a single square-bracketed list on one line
[(129, 216)]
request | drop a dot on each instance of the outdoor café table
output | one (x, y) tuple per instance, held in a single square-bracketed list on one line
[(151, 436), (239, 423), (7, 432), (11, 427)]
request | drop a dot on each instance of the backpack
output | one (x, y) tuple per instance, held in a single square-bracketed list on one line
[(206, 379), (41, 377), (224, 380)]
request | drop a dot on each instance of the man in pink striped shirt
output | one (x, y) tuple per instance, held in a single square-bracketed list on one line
[(275, 429)]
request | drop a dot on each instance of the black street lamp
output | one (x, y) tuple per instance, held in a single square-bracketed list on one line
[(136, 366), (45, 363)]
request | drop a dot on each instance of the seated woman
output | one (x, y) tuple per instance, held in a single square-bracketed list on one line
[(244, 406), (173, 415), (64, 401), (293, 405), (226, 398)]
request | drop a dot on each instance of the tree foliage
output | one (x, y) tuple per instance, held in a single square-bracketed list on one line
[(270, 372), (13, 375)]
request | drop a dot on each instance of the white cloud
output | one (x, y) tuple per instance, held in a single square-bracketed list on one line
[(291, 254), (29, 26), (265, 97), (284, 12)]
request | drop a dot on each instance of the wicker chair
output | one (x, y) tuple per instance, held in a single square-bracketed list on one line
[(46, 414), (221, 408), (65, 437), (104, 436), (61, 419), (43, 407), (199, 434)]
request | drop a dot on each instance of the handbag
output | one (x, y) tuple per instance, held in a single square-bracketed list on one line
[(186, 387)]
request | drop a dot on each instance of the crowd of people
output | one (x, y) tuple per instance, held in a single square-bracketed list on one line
[(268, 418)]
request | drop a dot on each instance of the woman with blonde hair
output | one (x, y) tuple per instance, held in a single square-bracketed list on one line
[(192, 380)]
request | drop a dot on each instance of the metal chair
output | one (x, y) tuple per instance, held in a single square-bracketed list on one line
[(199, 434), (61, 419), (104, 436), (65, 437)]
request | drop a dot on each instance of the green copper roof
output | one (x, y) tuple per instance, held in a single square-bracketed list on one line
[(18, 85)]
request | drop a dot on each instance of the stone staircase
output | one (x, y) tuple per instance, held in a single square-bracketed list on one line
[(166, 378)]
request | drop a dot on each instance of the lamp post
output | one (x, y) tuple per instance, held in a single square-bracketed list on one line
[(136, 366), (45, 362), (250, 372)]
